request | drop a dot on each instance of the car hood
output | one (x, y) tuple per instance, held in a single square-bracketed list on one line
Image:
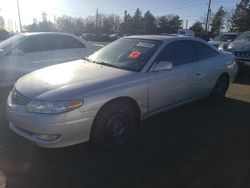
[(239, 46), (71, 80)]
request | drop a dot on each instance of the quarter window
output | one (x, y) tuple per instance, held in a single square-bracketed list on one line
[(203, 51), (65, 42)]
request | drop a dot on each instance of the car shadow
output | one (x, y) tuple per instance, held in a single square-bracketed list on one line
[(161, 151)]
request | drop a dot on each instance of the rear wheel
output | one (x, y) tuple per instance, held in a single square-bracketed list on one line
[(113, 125), (219, 90)]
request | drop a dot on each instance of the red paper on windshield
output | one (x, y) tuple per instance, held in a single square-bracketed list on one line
[(134, 55)]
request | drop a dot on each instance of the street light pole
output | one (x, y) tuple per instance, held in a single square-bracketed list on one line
[(18, 9)]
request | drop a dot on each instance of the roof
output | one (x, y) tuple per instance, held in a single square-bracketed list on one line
[(157, 37), (42, 33)]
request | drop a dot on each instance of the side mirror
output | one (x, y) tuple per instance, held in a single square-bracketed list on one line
[(16, 52), (211, 39), (163, 66)]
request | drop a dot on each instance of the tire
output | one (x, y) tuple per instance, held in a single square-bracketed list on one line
[(113, 124), (219, 90), (4, 92)]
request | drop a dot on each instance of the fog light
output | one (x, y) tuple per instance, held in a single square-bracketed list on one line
[(48, 137)]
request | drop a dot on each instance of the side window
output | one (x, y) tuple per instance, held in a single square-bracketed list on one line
[(34, 44), (179, 52), (203, 51), (65, 42)]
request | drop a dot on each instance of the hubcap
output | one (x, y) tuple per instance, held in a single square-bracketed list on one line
[(116, 128)]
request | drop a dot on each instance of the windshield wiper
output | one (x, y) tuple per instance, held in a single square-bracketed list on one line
[(100, 62), (89, 60), (107, 64)]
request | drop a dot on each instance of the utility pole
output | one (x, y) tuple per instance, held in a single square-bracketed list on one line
[(186, 24), (20, 23), (208, 14)]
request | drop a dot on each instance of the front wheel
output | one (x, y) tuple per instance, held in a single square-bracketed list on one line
[(219, 90), (113, 125)]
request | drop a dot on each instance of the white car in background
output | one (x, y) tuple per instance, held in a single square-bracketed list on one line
[(223, 40), (27, 52)]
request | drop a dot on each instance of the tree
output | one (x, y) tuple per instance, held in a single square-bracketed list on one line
[(125, 26), (44, 26), (228, 17), (90, 24), (65, 24), (198, 29), (217, 22), (169, 24), (1, 23), (79, 26), (136, 25), (149, 23), (32, 28), (241, 18)]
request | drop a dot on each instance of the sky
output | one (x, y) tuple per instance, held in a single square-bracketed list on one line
[(190, 10)]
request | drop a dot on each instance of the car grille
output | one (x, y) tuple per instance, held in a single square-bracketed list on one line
[(242, 54), (18, 99)]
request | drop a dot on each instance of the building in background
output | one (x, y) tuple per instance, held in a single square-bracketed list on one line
[(10, 26)]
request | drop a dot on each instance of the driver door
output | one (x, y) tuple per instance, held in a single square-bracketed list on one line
[(181, 84)]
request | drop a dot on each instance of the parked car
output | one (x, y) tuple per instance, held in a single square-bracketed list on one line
[(4, 34), (186, 32), (24, 53), (240, 47), (222, 40), (129, 80)]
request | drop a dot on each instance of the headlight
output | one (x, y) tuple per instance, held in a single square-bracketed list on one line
[(53, 107), (222, 47)]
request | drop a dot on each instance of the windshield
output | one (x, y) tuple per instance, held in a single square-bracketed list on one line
[(244, 37), (7, 44), (129, 54), (225, 37)]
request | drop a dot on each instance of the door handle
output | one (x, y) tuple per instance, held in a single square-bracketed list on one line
[(197, 74)]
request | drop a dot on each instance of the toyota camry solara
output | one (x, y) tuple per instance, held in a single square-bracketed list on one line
[(103, 97)]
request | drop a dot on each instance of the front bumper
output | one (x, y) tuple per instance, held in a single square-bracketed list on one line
[(243, 63), (72, 127)]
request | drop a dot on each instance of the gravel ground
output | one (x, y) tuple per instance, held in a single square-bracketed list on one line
[(193, 146)]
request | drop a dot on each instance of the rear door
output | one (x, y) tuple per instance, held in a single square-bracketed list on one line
[(178, 85)]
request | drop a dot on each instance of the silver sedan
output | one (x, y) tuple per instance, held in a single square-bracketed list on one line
[(103, 97)]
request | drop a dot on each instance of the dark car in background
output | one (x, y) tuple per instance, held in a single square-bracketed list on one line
[(241, 49), (4, 35)]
